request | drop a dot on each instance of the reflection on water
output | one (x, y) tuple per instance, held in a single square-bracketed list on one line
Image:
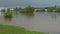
[(8, 20), (53, 15), (28, 15), (16, 13), (37, 21)]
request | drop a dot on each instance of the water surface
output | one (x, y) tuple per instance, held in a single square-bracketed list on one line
[(43, 22)]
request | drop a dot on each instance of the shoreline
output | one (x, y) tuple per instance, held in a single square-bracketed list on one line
[(5, 29)]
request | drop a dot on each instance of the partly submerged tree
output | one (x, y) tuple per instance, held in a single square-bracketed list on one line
[(27, 9), (8, 14)]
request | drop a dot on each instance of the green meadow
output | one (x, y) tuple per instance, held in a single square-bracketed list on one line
[(5, 29)]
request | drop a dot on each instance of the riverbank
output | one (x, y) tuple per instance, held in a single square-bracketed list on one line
[(5, 29)]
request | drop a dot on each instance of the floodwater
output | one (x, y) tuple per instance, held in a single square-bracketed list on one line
[(39, 21)]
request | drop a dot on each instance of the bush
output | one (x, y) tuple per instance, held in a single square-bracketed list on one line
[(28, 9), (8, 14), (57, 10), (50, 10)]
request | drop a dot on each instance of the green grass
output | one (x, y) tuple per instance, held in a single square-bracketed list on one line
[(5, 29)]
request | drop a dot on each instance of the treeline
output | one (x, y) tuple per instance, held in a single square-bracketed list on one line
[(49, 9), (8, 13), (29, 9)]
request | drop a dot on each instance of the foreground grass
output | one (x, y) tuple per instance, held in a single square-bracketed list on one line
[(4, 29)]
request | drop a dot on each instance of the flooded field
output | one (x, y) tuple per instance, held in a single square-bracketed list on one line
[(38, 21)]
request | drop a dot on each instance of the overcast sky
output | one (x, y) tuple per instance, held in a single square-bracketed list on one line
[(36, 3)]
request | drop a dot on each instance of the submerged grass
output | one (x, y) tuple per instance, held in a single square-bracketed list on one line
[(5, 29)]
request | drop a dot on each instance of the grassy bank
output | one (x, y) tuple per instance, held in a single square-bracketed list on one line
[(4, 29)]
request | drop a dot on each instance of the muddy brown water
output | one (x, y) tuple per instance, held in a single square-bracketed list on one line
[(39, 21)]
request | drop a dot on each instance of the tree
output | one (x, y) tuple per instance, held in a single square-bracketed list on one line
[(28, 9)]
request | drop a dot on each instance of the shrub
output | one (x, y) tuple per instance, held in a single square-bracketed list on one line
[(28, 9), (57, 10), (50, 10), (8, 14)]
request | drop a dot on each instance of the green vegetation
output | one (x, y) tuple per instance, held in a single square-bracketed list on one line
[(5, 29), (53, 9), (57, 10), (41, 10), (17, 9), (8, 14), (27, 9), (50, 10)]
